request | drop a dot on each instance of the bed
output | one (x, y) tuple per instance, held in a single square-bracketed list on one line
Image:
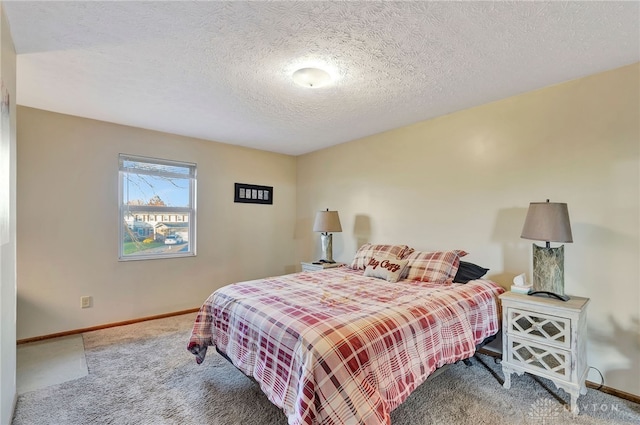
[(341, 346)]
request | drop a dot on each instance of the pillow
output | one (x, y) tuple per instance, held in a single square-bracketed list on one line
[(389, 269), (438, 266), (469, 271), (367, 251)]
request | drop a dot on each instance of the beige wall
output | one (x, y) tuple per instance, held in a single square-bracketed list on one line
[(68, 223), (8, 241), (465, 181)]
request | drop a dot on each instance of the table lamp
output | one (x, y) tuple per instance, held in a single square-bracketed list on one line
[(327, 221), (549, 222)]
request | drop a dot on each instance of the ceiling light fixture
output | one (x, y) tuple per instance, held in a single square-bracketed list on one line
[(311, 77)]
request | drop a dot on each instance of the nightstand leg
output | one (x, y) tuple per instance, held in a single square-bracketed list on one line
[(507, 378), (574, 402), (583, 388)]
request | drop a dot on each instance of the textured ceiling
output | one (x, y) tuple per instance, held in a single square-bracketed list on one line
[(222, 70)]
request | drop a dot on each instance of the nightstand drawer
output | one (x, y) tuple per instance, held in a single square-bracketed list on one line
[(536, 326), (544, 359)]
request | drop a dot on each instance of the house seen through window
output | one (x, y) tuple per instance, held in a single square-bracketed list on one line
[(157, 208)]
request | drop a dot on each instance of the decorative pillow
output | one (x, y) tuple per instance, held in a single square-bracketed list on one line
[(367, 251), (438, 266), (389, 269), (469, 271)]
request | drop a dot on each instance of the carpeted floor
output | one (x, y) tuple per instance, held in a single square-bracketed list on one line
[(143, 374)]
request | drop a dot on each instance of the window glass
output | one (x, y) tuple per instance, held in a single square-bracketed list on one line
[(153, 193)]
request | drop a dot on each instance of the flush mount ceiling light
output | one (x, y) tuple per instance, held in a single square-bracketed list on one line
[(311, 77)]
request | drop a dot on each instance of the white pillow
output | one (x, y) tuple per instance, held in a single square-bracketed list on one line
[(387, 268)]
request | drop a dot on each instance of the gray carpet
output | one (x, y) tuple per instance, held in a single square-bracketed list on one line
[(143, 374)]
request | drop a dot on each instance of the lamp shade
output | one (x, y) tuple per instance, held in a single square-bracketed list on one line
[(327, 221), (547, 221)]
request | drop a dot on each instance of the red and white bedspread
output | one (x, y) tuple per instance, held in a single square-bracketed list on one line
[(335, 347)]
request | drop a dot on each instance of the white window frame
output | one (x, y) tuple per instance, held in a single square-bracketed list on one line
[(157, 210)]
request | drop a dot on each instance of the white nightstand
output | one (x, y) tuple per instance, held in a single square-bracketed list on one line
[(548, 338), (312, 267)]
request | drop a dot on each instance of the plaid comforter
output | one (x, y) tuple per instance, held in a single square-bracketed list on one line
[(335, 347)]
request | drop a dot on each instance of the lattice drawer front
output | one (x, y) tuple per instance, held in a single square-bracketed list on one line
[(542, 327), (551, 361)]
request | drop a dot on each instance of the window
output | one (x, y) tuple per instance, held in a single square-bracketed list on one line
[(150, 189)]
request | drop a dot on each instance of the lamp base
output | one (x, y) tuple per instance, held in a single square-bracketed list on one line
[(326, 239), (548, 269)]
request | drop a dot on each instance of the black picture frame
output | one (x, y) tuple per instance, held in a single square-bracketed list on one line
[(253, 194)]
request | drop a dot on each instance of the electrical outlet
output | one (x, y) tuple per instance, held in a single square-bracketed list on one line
[(85, 302)]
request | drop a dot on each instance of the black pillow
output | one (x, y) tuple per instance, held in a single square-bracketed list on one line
[(469, 271)]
